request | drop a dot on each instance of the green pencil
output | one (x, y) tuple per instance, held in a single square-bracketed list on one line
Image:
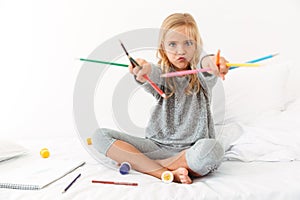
[(103, 62)]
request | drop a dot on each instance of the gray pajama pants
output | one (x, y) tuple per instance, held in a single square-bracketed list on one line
[(202, 157)]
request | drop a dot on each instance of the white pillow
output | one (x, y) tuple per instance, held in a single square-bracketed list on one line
[(249, 92), (10, 150), (293, 83)]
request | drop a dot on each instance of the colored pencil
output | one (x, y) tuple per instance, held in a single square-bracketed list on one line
[(184, 72), (71, 183), (115, 183), (251, 63), (178, 73), (195, 71), (103, 62), (124, 65), (218, 58), (262, 58), (242, 64), (135, 64), (218, 63), (257, 60)]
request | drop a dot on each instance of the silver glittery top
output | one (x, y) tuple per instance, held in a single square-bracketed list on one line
[(180, 120)]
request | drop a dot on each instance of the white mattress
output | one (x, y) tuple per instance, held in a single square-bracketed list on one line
[(233, 180)]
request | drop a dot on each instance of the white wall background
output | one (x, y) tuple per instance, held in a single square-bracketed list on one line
[(40, 39)]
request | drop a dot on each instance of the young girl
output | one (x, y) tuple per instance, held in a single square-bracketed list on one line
[(180, 135)]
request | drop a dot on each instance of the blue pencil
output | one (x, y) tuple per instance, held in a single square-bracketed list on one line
[(258, 60)]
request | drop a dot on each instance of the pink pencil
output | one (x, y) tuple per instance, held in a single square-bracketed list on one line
[(185, 72)]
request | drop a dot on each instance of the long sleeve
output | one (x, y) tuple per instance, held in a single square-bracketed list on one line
[(155, 77)]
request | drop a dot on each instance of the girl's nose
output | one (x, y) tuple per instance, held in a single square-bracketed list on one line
[(181, 50)]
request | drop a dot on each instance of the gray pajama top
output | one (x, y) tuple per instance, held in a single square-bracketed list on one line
[(180, 120)]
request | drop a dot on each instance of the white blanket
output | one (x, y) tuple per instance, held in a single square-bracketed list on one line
[(273, 137), (234, 180)]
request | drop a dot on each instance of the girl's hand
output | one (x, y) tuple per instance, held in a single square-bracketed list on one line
[(139, 72), (222, 67), (220, 70)]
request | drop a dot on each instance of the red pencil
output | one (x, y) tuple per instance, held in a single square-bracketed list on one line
[(135, 64), (115, 183)]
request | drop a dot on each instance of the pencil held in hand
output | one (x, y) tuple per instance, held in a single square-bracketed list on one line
[(195, 71), (218, 64), (218, 58), (257, 60), (185, 72), (243, 64), (103, 62), (135, 64)]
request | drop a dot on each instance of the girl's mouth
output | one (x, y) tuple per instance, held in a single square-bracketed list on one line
[(181, 59)]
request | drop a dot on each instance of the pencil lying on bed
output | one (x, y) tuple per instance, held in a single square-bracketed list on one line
[(135, 64), (257, 60), (115, 183)]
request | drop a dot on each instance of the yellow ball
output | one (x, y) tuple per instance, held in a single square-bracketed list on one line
[(44, 153), (89, 141), (167, 177)]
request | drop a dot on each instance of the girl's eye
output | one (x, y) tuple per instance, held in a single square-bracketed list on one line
[(172, 44), (189, 43)]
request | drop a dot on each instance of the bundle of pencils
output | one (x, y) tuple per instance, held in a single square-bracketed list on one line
[(194, 71), (251, 63)]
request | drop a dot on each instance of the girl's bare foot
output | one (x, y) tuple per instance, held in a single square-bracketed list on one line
[(181, 175)]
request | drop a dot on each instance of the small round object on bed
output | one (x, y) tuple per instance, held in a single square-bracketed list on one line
[(44, 153), (124, 168), (89, 141), (167, 177)]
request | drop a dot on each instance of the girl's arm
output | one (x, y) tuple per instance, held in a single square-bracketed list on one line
[(209, 61), (152, 71)]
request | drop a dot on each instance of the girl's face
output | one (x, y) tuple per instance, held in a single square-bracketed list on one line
[(179, 48)]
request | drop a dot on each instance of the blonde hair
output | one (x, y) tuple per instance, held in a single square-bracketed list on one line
[(174, 22)]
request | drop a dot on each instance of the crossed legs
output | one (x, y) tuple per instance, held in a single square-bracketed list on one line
[(147, 157), (121, 151)]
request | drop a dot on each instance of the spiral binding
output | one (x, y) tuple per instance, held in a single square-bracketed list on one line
[(19, 186)]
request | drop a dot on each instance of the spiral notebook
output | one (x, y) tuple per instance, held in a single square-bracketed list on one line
[(34, 174)]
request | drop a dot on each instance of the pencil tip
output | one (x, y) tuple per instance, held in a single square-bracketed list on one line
[(124, 48), (275, 54)]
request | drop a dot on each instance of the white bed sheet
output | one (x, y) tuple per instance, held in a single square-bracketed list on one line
[(274, 136), (233, 180)]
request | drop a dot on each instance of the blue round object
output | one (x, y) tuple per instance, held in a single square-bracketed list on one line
[(125, 168)]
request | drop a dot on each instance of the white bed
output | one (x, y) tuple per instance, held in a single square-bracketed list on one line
[(234, 180), (261, 135)]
